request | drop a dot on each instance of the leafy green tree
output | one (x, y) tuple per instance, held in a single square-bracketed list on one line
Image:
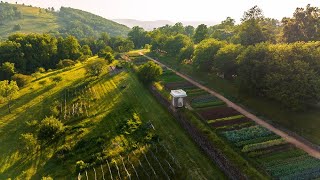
[(85, 50), (304, 26), (204, 53), (201, 33), (68, 48), (250, 31), (225, 61), (49, 128), (178, 29), (7, 92), (223, 31), (139, 37), (21, 79), (186, 52), (295, 85), (7, 70), (120, 44), (254, 13), (174, 44), (189, 30), (149, 72)]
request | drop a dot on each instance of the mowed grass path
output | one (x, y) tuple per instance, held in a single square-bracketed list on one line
[(33, 103)]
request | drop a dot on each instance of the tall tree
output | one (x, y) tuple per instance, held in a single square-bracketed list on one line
[(304, 26), (139, 37), (68, 48), (7, 92), (201, 33), (189, 30), (250, 31)]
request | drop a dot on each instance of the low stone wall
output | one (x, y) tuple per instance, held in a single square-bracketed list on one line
[(201, 140)]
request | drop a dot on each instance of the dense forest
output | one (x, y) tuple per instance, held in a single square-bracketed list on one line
[(61, 22), (267, 57)]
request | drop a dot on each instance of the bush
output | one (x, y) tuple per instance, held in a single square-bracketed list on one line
[(149, 72), (49, 128), (21, 79), (84, 58), (16, 27), (63, 151), (95, 68), (43, 82), (65, 63)]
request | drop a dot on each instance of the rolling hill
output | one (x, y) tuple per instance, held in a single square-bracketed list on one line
[(16, 18), (108, 121)]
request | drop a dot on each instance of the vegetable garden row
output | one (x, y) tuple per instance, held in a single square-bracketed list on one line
[(266, 150)]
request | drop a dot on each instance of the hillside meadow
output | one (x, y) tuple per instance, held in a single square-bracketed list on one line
[(111, 101)]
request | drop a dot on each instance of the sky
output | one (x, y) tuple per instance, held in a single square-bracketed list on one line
[(176, 10)]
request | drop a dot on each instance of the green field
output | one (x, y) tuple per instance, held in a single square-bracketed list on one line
[(303, 123), (113, 100)]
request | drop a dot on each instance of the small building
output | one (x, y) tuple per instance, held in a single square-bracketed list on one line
[(178, 97)]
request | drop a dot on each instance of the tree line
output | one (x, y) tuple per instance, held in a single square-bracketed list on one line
[(28, 52), (270, 58)]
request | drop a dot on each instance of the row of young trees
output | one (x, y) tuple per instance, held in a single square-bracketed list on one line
[(255, 52)]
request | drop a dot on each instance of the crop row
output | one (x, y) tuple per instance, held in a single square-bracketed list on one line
[(293, 167), (247, 133), (261, 145), (256, 140), (218, 112)]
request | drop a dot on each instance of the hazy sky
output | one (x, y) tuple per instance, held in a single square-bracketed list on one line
[(176, 10)]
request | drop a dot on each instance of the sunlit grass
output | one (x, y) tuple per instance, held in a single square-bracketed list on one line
[(106, 111)]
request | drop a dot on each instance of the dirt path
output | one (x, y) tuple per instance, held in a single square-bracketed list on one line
[(298, 143)]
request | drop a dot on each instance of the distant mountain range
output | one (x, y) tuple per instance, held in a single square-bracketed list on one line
[(150, 25)]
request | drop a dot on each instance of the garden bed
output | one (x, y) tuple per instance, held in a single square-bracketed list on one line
[(219, 112)]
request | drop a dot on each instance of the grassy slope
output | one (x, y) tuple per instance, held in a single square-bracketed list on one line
[(34, 100), (34, 21), (305, 123)]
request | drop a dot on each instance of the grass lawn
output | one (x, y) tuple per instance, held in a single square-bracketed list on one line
[(112, 105), (305, 124)]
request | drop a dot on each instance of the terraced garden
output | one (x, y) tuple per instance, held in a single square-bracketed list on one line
[(265, 150)]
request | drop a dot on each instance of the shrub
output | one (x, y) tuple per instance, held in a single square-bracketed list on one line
[(65, 63), (95, 68), (21, 79), (47, 178), (83, 58), (49, 128), (57, 79)]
